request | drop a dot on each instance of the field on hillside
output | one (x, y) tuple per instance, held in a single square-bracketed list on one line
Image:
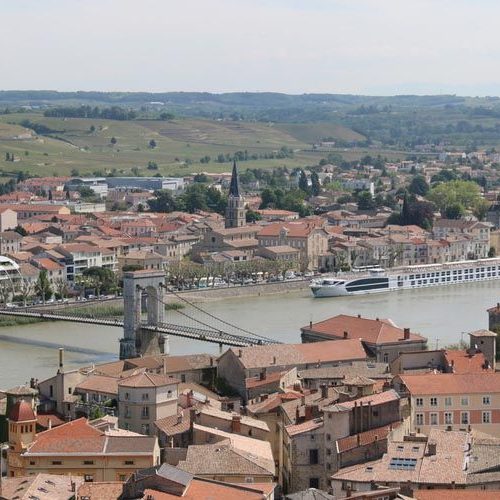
[(70, 145)]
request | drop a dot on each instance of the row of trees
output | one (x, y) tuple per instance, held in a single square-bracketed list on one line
[(111, 113)]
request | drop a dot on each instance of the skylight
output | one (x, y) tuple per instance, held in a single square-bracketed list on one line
[(403, 463)]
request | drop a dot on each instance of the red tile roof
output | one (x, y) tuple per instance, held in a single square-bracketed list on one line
[(147, 380), (363, 439), (308, 426), (373, 331), (463, 363), (21, 412), (453, 383), (293, 229)]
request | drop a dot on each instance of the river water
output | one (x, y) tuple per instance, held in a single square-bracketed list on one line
[(442, 314)]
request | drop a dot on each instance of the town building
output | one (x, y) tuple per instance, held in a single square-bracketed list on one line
[(382, 339), (235, 211)]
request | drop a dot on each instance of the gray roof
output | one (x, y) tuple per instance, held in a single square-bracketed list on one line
[(174, 474)]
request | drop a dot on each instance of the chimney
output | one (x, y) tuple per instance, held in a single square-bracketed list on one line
[(50, 424), (240, 353), (310, 324), (346, 334), (431, 448), (192, 417), (164, 365), (324, 391), (297, 414), (73, 486), (274, 360), (302, 400), (406, 333), (263, 397), (211, 361), (376, 319), (359, 315), (236, 423), (309, 412), (358, 439), (179, 418), (262, 374), (61, 358)]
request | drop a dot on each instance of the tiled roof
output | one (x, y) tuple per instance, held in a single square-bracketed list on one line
[(40, 486), (108, 490), (48, 419), (373, 399), (368, 369), (453, 383), (373, 331), (99, 383), (456, 494), (225, 415), (21, 412), (199, 489), (463, 363), (224, 459), (147, 380), (363, 438), (300, 354), (307, 426), (175, 424), (293, 229), (271, 378)]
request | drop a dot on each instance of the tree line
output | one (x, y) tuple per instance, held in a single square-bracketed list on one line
[(111, 113)]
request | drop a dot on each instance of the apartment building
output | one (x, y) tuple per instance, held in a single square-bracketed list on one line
[(145, 398), (455, 401)]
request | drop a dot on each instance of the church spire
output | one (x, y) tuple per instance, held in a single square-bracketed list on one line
[(234, 188)]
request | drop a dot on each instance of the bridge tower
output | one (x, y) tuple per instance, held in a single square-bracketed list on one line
[(142, 287)]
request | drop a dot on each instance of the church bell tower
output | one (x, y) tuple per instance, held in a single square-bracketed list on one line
[(235, 211)]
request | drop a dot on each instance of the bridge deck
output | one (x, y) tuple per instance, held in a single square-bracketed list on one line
[(205, 335)]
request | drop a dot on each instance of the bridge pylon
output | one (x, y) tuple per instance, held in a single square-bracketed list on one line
[(150, 286)]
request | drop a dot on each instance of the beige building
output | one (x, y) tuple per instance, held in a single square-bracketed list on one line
[(75, 448), (142, 259), (145, 398), (8, 219)]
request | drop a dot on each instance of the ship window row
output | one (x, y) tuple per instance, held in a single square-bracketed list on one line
[(467, 272)]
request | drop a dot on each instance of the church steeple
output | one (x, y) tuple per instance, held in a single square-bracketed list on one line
[(235, 211), (234, 188)]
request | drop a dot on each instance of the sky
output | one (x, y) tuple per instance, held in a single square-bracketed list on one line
[(375, 47)]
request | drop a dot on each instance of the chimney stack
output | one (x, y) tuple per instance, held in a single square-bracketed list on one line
[(324, 391), (61, 358), (297, 414), (359, 315), (236, 423), (431, 448), (310, 324), (309, 412), (240, 353), (50, 424), (406, 333)]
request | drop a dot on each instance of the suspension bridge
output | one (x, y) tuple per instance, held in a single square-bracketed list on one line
[(145, 291)]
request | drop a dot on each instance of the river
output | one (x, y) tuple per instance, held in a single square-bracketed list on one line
[(442, 314)]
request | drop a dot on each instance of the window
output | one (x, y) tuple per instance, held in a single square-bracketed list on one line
[(434, 419), (127, 412), (419, 401), (486, 400), (448, 417), (328, 437), (419, 419), (464, 401), (314, 482), (145, 429), (127, 396), (145, 396), (88, 478), (403, 463), (434, 401), (486, 419), (56, 462), (464, 417), (386, 357), (447, 401), (51, 391), (88, 462), (32, 462), (145, 412), (129, 462), (313, 457)]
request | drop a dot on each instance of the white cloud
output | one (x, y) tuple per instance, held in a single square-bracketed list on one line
[(356, 46)]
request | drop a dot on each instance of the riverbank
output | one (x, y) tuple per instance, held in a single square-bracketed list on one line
[(235, 292)]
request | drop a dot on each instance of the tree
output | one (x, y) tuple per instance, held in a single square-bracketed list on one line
[(167, 116), (20, 230), (418, 185), (303, 184), (252, 216), (454, 211), (162, 202), (481, 209), (152, 144), (25, 290), (315, 184), (113, 140), (152, 165), (418, 213), (61, 287), (464, 193), (92, 129), (365, 201), (43, 287)]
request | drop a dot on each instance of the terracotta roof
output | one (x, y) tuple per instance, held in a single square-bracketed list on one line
[(293, 229), (201, 489), (374, 399), (463, 363), (457, 494), (147, 380), (373, 331), (42, 419), (225, 415), (40, 486), (363, 438), (49, 264), (453, 383), (308, 426), (299, 354), (109, 490), (175, 424), (21, 412), (99, 383), (271, 378)]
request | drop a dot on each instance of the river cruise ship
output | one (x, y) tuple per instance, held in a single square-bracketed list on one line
[(376, 279)]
